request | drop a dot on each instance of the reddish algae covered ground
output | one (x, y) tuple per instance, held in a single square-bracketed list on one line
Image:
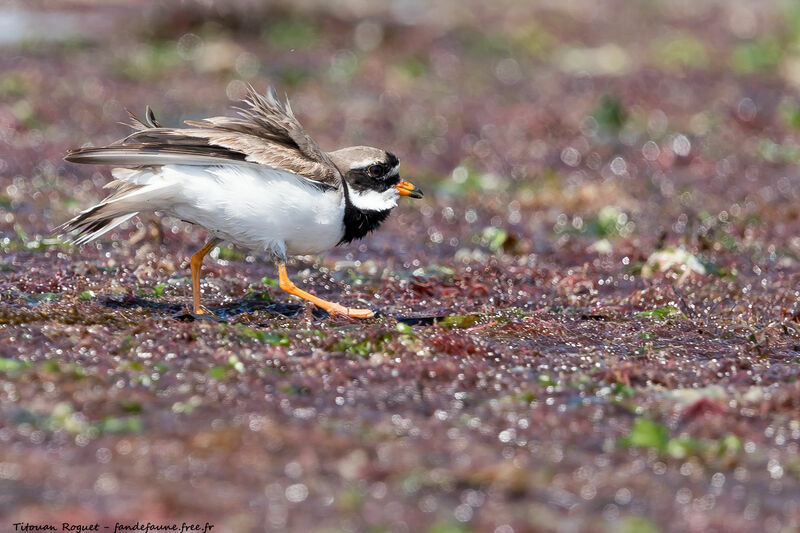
[(591, 322)]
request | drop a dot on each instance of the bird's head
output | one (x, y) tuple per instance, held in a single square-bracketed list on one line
[(373, 177)]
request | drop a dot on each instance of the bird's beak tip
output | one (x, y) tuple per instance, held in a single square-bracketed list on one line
[(406, 188)]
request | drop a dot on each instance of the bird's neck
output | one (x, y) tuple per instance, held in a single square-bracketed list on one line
[(359, 222)]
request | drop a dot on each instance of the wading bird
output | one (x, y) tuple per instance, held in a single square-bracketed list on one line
[(257, 180)]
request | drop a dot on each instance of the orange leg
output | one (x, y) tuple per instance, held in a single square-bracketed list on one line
[(332, 308), (196, 262)]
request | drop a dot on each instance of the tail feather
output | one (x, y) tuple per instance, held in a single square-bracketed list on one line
[(93, 230), (94, 222), (125, 203)]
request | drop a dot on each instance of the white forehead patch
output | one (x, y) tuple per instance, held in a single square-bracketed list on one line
[(364, 163)]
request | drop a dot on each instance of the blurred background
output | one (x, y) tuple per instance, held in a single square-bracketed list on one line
[(610, 224)]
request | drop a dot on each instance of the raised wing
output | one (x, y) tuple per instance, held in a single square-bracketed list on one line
[(265, 132)]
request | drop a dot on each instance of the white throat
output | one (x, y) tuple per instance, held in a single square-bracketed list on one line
[(370, 200)]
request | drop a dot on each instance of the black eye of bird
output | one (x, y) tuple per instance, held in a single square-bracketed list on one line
[(375, 170)]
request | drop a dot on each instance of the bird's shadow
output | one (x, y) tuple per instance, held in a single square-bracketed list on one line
[(221, 313)]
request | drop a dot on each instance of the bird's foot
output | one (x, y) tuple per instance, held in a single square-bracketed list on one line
[(203, 310), (337, 309), (332, 308), (360, 313)]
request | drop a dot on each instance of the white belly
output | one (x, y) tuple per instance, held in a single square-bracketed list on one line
[(257, 208)]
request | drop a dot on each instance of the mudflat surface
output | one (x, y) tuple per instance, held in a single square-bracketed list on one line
[(590, 322)]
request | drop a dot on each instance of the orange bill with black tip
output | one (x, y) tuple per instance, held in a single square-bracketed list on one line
[(406, 188)]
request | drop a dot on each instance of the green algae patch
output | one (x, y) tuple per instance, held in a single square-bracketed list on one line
[(460, 321), (668, 312)]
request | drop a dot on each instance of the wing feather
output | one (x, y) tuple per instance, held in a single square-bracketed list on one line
[(266, 132)]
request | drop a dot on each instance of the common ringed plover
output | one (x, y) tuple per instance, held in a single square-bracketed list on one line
[(257, 180)]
